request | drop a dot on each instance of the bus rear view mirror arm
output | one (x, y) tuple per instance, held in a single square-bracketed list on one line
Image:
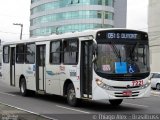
[(95, 47), (94, 58)]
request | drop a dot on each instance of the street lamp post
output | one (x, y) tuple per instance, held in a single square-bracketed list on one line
[(21, 25)]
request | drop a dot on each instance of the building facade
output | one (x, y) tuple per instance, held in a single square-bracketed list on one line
[(154, 33), (61, 16)]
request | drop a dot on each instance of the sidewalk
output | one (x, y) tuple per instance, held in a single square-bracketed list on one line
[(155, 92), (11, 113)]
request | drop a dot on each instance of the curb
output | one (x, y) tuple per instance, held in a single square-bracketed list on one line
[(155, 92)]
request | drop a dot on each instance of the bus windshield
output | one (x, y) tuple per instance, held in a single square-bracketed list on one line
[(120, 58)]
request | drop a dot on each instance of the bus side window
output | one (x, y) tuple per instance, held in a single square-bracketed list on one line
[(55, 52), (30, 53), (20, 52), (6, 54), (70, 48)]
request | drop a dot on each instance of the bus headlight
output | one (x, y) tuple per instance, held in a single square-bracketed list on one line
[(146, 85), (149, 81), (103, 85)]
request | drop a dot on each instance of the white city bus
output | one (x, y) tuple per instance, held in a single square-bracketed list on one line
[(104, 64)]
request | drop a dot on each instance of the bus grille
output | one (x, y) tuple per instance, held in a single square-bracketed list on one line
[(131, 87)]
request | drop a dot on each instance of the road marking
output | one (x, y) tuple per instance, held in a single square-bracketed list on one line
[(135, 104), (73, 109), (28, 111), (7, 94)]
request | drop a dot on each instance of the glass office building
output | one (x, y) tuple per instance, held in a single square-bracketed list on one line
[(61, 16)]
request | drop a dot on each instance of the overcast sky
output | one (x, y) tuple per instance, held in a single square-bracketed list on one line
[(18, 11)]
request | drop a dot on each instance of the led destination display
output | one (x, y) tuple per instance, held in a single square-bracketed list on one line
[(122, 35)]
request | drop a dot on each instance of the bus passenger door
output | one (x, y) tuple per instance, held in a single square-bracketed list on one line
[(12, 67), (86, 69), (40, 67)]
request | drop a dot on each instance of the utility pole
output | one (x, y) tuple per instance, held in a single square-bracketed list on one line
[(21, 25)]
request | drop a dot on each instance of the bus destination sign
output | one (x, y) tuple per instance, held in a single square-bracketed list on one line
[(122, 35), (111, 35)]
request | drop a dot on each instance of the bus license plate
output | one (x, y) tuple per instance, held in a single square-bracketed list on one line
[(127, 93)]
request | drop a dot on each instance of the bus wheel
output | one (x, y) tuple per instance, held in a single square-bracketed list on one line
[(71, 95), (115, 102), (158, 86), (23, 88)]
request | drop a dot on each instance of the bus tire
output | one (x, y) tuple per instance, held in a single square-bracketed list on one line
[(116, 102), (158, 86), (71, 95), (23, 87)]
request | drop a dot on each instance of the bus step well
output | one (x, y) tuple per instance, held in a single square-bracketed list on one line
[(85, 96), (41, 92)]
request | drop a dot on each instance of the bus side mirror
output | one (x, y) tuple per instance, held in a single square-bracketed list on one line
[(95, 47), (94, 58)]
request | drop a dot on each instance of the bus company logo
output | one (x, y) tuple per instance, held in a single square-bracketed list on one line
[(62, 68), (52, 73), (128, 86)]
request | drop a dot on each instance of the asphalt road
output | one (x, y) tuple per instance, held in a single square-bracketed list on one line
[(55, 107)]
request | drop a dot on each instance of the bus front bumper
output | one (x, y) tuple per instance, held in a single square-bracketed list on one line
[(102, 94)]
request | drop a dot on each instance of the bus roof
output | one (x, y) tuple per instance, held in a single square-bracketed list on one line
[(66, 35)]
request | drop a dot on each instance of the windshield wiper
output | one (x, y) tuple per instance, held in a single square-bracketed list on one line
[(132, 52), (116, 51)]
